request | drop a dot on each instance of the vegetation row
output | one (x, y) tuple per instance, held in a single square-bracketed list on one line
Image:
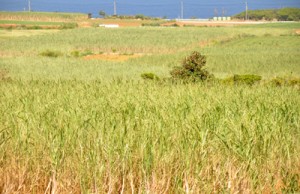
[(284, 14)]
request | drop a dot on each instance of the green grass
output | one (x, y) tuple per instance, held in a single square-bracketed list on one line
[(267, 52), (275, 25), (266, 56), (85, 126)]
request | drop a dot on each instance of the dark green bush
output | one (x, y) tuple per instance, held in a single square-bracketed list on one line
[(151, 24), (278, 81), (142, 17), (86, 53), (246, 79), (174, 25), (149, 76), (286, 81), (49, 53), (75, 53), (68, 26), (294, 82), (192, 68)]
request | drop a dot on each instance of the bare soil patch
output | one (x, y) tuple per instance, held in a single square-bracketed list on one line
[(298, 31), (111, 57), (84, 24), (8, 25)]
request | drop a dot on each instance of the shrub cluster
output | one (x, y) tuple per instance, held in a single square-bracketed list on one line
[(151, 24), (138, 16), (149, 76), (77, 53), (192, 68), (49, 53), (248, 79), (286, 81), (173, 25), (68, 26)]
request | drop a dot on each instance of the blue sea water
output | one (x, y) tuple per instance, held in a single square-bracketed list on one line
[(155, 8)]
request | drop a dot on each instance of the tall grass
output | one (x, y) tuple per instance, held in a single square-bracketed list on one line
[(42, 16), (70, 125), (29, 22), (146, 137)]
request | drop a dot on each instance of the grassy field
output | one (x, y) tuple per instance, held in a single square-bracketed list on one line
[(42, 16), (29, 22), (11, 34), (72, 125)]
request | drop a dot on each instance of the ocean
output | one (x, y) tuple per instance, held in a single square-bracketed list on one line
[(155, 8)]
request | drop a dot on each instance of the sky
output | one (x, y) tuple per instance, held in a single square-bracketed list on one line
[(155, 8)]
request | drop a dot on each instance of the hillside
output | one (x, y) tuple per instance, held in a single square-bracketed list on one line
[(285, 14)]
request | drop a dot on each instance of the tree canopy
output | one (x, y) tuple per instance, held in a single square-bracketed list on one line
[(284, 14)]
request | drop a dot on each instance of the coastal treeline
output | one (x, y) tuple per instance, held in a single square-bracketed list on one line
[(284, 14)]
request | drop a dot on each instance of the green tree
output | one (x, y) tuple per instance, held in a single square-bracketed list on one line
[(102, 14), (192, 68)]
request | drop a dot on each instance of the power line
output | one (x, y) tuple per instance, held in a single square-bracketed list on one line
[(246, 10), (29, 6), (181, 9)]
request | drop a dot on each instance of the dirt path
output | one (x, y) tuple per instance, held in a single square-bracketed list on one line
[(112, 57)]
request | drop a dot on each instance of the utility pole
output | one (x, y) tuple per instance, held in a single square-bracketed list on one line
[(181, 9), (115, 7), (216, 12), (246, 10), (29, 6)]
